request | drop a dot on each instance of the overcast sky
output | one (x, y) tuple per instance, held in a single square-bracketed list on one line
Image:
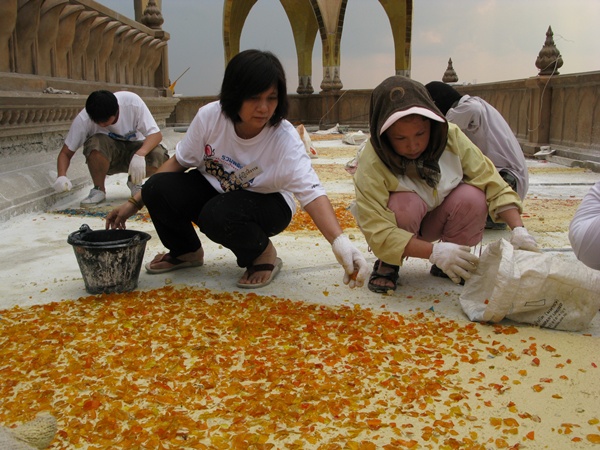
[(488, 40)]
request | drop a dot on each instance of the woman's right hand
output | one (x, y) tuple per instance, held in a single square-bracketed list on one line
[(117, 217), (455, 260)]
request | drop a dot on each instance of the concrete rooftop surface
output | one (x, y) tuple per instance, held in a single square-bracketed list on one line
[(38, 267)]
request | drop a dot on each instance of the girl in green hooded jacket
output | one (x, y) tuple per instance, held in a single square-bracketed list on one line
[(424, 190)]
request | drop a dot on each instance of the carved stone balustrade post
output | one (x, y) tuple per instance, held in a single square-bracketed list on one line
[(128, 39), (134, 56), (154, 63), (28, 22), (8, 22), (106, 47), (114, 60), (65, 38), (93, 47), (148, 51), (82, 37), (47, 35)]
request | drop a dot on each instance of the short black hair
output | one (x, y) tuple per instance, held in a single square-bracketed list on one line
[(443, 95), (101, 105), (249, 73)]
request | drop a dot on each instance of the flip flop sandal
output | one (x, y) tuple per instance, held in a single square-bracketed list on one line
[(274, 268), (392, 276), (176, 264)]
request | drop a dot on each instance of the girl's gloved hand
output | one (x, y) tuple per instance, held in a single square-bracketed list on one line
[(522, 240), (351, 260), (455, 260)]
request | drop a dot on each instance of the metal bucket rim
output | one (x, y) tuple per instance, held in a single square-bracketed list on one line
[(138, 237)]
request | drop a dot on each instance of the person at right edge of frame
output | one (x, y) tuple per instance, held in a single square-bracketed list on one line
[(584, 229), (488, 130), (424, 190)]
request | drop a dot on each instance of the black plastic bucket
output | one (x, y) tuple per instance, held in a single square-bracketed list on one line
[(109, 260)]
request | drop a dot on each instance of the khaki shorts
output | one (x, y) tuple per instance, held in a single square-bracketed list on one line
[(119, 153)]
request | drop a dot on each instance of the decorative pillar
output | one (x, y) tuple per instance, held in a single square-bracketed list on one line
[(133, 70), (106, 48), (450, 75), (129, 37), (65, 38), (540, 101), (28, 22), (8, 22), (304, 27), (147, 54), (153, 64), (399, 13), (93, 48), (330, 17), (114, 61), (82, 37), (549, 59), (50, 13)]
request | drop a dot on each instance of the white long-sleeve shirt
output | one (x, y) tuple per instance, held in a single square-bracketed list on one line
[(488, 130), (584, 229)]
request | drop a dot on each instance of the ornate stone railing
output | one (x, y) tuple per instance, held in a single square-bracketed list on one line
[(53, 53), (79, 40), (559, 111), (562, 111)]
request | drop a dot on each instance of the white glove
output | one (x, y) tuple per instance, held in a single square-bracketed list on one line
[(137, 169), (522, 240), (62, 184), (351, 260), (455, 260)]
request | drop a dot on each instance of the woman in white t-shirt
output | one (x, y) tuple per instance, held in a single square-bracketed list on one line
[(248, 164)]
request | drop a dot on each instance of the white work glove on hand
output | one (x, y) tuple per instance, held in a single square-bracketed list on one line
[(455, 260), (137, 169), (522, 240), (62, 184), (351, 260)]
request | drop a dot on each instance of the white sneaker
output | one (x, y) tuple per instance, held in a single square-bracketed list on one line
[(134, 188), (96, 196)]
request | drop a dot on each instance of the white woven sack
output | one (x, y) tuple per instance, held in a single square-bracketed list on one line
[(529, 287)]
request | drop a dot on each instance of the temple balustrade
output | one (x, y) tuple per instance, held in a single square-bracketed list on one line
[(561, 111), (55, 52)]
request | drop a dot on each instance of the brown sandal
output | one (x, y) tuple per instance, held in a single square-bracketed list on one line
[(392, 276), (176, 263)]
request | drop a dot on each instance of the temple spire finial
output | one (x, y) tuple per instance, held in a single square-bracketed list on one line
[(549, 59), (152, 16), (450, 75)]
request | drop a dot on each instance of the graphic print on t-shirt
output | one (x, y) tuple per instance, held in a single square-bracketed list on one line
[(228, 180), (128, 137)]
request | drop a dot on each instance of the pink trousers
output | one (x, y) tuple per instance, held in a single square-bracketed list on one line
[(459, 219)]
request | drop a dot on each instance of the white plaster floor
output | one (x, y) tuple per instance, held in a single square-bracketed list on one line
[(38, 266)]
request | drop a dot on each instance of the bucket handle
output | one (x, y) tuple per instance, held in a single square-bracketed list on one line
[(84, 229)]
